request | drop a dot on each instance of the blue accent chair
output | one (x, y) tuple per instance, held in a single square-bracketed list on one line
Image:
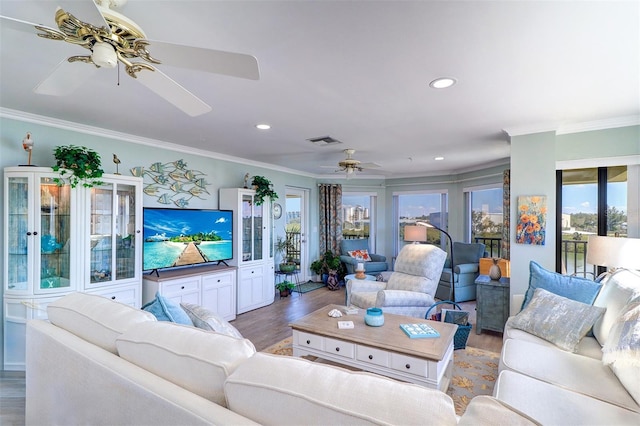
[(377, 264), (466, 268)]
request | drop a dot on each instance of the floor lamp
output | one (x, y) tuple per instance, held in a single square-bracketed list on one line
[(452, 290)]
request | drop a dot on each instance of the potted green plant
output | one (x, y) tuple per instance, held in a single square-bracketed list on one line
[(77, 164), (283, 246), (328, 264), (285, 288), (263, 187)]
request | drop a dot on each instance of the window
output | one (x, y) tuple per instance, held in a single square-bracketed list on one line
[(594, 202), (358, 217), (485, 217), (411, 207)]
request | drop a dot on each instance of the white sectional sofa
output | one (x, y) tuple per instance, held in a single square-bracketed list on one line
[(556, 386), (102, 362)]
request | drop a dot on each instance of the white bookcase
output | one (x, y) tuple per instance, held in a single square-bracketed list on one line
[(252, 247), (59, 240)]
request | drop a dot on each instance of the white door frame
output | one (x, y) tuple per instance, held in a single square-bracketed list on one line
[(303, 195)]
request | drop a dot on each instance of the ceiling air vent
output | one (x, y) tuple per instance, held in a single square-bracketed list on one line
[(323, 140)]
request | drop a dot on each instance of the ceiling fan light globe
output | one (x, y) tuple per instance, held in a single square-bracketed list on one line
[(104, 55)]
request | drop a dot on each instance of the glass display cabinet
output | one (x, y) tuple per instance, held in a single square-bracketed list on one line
[(252, 253), (115, 239), (59, 239), (38, 233)]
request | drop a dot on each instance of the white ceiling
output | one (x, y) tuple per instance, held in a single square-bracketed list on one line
[(357, 71)]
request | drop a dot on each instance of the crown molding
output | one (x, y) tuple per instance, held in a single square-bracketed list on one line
[(565, 129), (111, 134)]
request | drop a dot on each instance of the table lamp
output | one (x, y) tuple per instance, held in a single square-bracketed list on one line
[(415, 234), (613, 253)]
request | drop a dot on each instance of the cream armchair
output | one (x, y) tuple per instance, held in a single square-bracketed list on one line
[(411, 286)]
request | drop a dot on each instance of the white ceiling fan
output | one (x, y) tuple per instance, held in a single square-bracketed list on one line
[(113, 38), (350, 165)]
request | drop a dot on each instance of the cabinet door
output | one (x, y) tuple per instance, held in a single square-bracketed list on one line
[(16, 314), (114, 232), (38, 233), (250, 288), (54, 206), (218, 294), (182, 290)]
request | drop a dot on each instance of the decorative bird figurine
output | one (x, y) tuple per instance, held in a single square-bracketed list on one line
[(116, 160), (27, 145)]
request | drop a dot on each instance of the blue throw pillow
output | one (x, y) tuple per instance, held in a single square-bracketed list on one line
[(574, 288), (166, 310)]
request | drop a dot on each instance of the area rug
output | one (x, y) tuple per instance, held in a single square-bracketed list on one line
[(474, 372), (308, 286)]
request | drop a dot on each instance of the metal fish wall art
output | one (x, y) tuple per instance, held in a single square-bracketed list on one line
[(172, 182)]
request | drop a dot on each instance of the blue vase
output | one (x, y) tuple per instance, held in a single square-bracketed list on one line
[(374, 317)]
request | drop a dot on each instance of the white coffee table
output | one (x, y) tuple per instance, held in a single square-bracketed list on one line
[(383, 350)]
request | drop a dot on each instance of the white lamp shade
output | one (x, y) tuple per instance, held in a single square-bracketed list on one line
[(613, 252), (415, 233)]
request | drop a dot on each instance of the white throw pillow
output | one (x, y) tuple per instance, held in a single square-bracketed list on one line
[(205, 319), (561, 321), (197, 360), (622, 350), (615, 294)]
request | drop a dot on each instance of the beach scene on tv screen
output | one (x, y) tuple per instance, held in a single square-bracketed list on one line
[(175, 238)]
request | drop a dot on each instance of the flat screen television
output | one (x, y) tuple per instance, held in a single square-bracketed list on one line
[(183, 237)]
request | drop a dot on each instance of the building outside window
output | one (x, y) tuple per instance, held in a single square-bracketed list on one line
[(411, 207), (358, 217), (485, 216)]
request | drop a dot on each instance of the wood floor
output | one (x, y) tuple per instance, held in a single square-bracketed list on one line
[(264, 327)]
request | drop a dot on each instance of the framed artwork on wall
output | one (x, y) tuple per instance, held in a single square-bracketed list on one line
[(532, 219)]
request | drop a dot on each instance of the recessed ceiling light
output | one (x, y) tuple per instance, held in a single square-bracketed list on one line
[(443, 83), (263, 126), (438, 158)]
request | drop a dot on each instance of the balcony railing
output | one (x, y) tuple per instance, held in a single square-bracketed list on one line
[(574, 258), (492, 245)]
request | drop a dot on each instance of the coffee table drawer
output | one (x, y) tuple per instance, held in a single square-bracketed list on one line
[(372, 356), (308, 340), (339, 347), (410, 365)]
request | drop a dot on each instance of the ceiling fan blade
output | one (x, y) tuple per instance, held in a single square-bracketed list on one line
[(20, 25), (369, 165), (65, 78), (208, 60), (164, 86), (87, 11)]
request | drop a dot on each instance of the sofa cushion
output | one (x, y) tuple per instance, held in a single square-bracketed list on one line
[(272, 389), (567, 370), (553, 405), (207, 320), (588, 346), (167, 310), (615, 294), (575, 288), (192, 358), (622, 350), (562, 321), (486, 410), (94, 318)]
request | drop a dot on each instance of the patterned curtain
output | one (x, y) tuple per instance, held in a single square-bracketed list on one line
[(330, 217), (506, 211)]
